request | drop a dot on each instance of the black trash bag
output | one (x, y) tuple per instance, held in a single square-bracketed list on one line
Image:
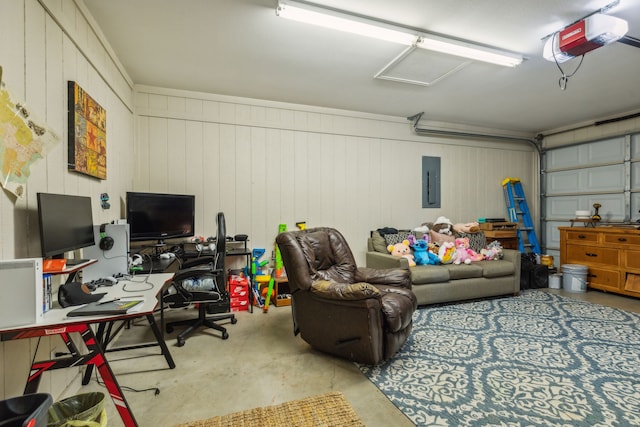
[(82, 410)]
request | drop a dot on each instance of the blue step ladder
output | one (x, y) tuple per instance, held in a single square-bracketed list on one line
[(518, 211)]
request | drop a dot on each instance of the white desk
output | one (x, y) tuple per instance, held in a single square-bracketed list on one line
[(56, 322)]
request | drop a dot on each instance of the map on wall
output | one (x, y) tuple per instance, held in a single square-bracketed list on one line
[(23, 140), (87, 134)]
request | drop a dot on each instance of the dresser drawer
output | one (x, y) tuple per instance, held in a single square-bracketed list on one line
[(631, 259), (621, 239), (579, 254), (607, 280), (581, 237)]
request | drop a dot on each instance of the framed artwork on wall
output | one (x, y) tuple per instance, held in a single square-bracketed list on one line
[(87, 145)]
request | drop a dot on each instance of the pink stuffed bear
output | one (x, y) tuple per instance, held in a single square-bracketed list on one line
[(464, 254), (402, 249)]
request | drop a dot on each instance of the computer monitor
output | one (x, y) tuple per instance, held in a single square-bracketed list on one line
[(157, 216), (66, 223)]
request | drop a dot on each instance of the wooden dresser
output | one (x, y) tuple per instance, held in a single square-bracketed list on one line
[(612, 255)]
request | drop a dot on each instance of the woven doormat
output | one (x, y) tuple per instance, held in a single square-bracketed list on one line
[(329, 409)]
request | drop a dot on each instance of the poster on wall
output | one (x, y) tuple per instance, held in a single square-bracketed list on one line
[(24, 139), (87, 134)]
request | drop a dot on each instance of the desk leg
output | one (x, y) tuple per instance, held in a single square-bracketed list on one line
[(160, 338), (89, 369), (94, 357), (99, 360)]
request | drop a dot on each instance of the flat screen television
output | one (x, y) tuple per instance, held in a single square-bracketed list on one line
[(157, 216), (66, 223)]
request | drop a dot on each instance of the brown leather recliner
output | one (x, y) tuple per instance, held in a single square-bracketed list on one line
[(361, 314)]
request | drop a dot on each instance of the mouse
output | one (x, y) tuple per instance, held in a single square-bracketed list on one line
[(167, 255)]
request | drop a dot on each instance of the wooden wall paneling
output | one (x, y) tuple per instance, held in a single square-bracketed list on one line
[(379, 208), (259, 200), (214, 178), (159, 104), (38, 58), (121, 161), (302, 183), (176, 169), (356, 196), (227, 162), (158, 160), (35, 87), (313, 152), (244, 207), (342, 207), (464, 187), (11, 29), (491, 197), (211, 111), (285, 182), (327, 188), (274, 163), (60, 154), (141, 154), (176, 106), (57, 116), (227, 112), (316, 172), (198, 177)]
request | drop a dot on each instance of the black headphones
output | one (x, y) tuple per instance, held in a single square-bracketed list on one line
[(106, 242)]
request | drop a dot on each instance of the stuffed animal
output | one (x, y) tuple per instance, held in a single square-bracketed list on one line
[(422, 254), (492, 251), (402, 249), (469, 227), (424, 229), (464, 254), (447, 252), (443, 225)]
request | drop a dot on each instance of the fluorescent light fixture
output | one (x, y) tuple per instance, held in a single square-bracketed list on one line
[(325, 18), (343, 21), (468, 50), (584, 36)]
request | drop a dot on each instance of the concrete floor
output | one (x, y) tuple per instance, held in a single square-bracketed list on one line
[(262, 363)]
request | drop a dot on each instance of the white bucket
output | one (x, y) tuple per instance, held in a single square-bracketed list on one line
[(574, 277), (555, 281)]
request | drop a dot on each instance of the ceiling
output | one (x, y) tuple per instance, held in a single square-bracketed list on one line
[(241, 48)]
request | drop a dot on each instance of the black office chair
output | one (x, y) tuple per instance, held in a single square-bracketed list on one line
[(202, 281)]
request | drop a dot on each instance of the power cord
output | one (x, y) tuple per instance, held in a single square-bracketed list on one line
[(156, 390), (564, 79)]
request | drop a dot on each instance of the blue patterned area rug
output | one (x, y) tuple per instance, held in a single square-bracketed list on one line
[(537, 359)]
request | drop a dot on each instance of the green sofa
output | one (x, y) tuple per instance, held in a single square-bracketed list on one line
[(447, 283)]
